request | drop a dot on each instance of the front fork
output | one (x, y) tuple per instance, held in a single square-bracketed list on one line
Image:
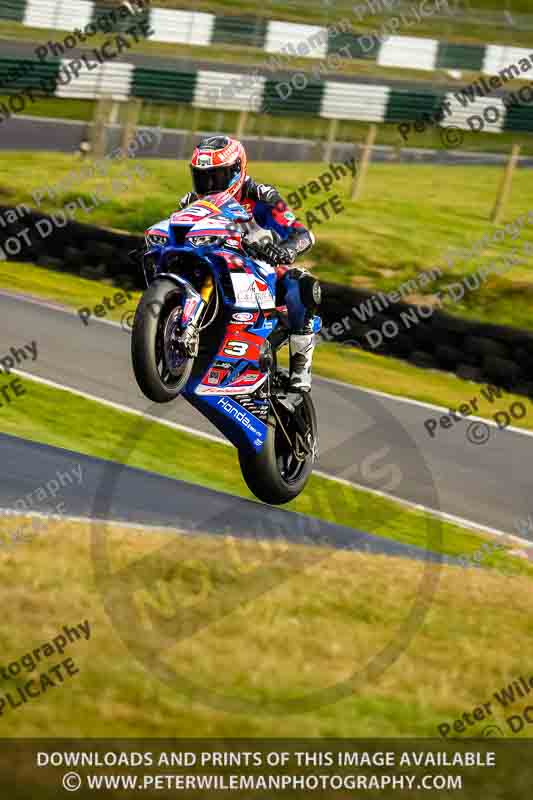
[(187, 343)]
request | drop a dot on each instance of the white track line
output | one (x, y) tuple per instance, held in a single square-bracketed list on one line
[(443, 515), (422, 404), (135, 526), (219, 440), (119, 407), (8, 512), (194, 431), (334, 381), (22, 298)]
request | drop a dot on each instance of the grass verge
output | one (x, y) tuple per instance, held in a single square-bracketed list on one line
[(69, 290), (331, 617), (124, 439), (380, 242)]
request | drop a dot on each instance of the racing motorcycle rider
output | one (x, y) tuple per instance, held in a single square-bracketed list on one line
[(218, 164)]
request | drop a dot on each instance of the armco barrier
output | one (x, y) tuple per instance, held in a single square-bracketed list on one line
[(476, 351), (274, 36), (282, 95)]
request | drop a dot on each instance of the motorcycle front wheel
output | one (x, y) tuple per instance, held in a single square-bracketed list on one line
[(279, 471), (160, 371)]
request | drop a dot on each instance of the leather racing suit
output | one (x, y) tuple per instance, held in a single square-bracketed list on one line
[(297, 289)]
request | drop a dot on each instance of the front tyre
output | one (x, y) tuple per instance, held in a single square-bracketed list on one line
[(279, 471), (161, 373)]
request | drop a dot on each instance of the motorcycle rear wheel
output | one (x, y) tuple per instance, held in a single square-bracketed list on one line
[(274, 474), (157, 380)]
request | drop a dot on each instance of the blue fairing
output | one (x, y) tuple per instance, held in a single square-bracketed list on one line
[(227, 264), (238, 424)]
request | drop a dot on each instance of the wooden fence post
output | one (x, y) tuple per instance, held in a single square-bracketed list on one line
[(505, 185), (330, 144), (194, 126), (98, 127), (263, 121), (219, 122), (362, 167), (241, 125), (133, 112)]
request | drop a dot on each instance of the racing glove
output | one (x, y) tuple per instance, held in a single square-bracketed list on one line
[(187, 199), (275, 254)]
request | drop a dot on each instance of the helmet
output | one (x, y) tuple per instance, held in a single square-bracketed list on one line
[(218, 164)]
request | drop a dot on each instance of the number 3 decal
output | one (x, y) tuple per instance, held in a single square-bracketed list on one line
[(234, 348)]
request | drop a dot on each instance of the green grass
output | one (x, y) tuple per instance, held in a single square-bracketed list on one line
[(331, 618), (332, 611), (378, 243), (148, 445), (68, 290)]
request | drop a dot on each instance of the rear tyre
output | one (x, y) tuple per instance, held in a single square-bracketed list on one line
[(276, 475), (160, 373)]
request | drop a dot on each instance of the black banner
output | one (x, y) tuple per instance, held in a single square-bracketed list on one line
[(327, 768)]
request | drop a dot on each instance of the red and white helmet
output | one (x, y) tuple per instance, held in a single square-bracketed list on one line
[(218, 164)]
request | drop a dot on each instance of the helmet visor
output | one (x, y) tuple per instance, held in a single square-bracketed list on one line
[(213, 179)]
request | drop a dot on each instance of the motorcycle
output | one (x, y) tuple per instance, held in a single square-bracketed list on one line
[(208, 328)]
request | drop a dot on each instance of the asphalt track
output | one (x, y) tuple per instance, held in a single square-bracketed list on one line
[(378, 442), (144, 498)]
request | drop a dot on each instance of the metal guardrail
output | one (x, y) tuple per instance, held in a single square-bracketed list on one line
[(330, 11), (380, 103), (13, 10)]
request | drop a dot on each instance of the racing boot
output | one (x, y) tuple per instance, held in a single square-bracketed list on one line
[(301, 347)]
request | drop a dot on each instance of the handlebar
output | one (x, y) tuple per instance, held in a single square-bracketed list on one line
[(256, 251)]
